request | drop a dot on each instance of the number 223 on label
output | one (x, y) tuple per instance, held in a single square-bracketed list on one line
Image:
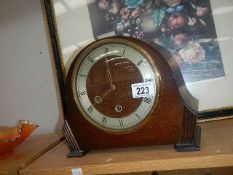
[(145, 89)]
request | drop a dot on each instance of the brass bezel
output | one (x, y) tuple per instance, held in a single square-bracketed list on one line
[(126, 42)]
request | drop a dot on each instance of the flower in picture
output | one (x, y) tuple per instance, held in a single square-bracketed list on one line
[(104, 4), (177, 21), (125, 13), (201, 11), (136, 12), (181, 40), (115, 7), (192, 53)]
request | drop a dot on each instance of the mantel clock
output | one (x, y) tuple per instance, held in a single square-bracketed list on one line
[(121, 92)]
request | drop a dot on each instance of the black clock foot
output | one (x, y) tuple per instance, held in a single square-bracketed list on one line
[(77, 154), (194, 146)]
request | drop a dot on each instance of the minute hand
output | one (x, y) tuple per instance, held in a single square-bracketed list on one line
[(112, 86)]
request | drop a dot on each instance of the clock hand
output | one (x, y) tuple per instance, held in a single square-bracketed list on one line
[(112, 86), (106, 93), (99, 99)]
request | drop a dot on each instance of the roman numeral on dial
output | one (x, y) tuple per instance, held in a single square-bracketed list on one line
[(140, 118), (81, 75), (147, 100), (140, 62), (90, 109), (121, 122), (83, 93), (91, 60), (104, 120)]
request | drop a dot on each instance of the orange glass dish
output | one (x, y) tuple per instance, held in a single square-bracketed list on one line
[(10, 137)]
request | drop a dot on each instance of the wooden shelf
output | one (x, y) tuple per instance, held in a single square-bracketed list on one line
[(216, 151), (29, 150)]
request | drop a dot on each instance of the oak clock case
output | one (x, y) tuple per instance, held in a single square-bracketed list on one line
[(120, 92)]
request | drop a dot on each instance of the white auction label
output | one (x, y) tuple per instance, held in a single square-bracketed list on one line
[(77, 171), (144, 89)]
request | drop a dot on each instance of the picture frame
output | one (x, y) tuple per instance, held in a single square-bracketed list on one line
[(70, 30)]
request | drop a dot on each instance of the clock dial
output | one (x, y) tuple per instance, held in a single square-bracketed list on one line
[(116, 86), (112, 96)]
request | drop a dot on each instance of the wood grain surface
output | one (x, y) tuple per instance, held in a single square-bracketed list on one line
[(216, 151), (28, 151), (204, 171)]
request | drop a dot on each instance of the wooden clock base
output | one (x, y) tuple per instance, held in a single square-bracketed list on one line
[(76, 151)]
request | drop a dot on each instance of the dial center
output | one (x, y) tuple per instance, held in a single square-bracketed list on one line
[(108, 86)]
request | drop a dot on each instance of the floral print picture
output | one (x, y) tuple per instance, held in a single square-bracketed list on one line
[(185, 28)]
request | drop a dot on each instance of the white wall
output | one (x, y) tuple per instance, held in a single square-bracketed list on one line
[(27, 84)]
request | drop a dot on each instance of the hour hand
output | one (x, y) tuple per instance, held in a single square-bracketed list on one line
[(99, 99)]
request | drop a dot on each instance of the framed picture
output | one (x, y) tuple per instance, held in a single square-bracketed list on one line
[(197, 33)]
